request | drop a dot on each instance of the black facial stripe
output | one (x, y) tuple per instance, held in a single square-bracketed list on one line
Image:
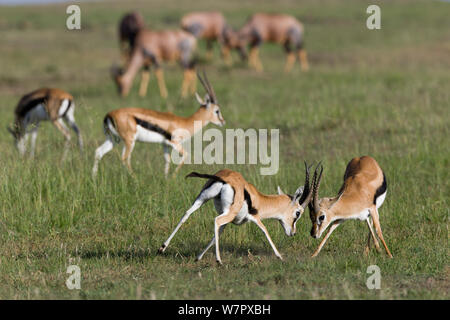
[(248, 199), (381, 189), (154, 128)]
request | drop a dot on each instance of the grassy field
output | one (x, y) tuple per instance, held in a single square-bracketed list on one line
[(383, 93)]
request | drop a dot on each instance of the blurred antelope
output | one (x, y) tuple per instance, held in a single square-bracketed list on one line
[(129, 27), (210, 26), (362, 193), (40, 105), (150, 49), (283, 29), (238, 201), (133, 124)]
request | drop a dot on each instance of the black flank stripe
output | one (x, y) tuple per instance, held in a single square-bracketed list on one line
[(380, 190), (248, 199), (24, 109), (154, 128)]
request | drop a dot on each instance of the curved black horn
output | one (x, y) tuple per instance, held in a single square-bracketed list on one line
[(307, 190)]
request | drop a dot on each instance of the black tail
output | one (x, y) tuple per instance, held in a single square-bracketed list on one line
[(204, 176), (107, 130)]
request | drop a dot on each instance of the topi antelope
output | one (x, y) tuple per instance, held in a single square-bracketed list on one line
[(362, 193), (279, 28), (238, 201), (133, 124), (150, 49), (44, 104), (129, 27), (210, 26)]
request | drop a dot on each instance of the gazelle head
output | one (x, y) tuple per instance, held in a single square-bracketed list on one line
[(209, 102), (297, 205), (17, 132), (236, 41), (319, 209), (122, 86)]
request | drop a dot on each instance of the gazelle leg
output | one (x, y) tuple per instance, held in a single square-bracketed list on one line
[(126, 153), (193, 81), (204, 196), (178, 147), (290, 60), (263, 228), (330, 231), (161, 83), (209, 50), (303, 57), (167, 159), (376, 222), (59, 124), (100, 152), (70, 118), (145, 78), (220, 221), (371, 235), (254, 59), (33, 141), (200, 256), (226, 55)]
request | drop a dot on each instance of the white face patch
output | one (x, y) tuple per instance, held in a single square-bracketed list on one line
[(63, 108), (145, 135)]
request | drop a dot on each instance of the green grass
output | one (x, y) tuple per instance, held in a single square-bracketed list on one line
[(383, 93)]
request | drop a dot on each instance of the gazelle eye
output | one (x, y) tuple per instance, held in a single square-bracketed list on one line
[(321, 218), (297, 213), (217, 111)]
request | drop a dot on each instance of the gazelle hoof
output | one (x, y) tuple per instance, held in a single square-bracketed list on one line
[(162, 249)]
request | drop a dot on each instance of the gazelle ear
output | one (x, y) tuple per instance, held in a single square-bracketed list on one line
[(280, 192), (298, 193), (199, 99)]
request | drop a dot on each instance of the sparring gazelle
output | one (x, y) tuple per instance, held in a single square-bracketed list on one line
[(136, 124), (150, 49), (278, 28), (362, 193), (238, 201), (40, 105)]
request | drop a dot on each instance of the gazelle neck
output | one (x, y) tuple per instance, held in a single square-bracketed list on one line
[(198, 120), (272, 206)]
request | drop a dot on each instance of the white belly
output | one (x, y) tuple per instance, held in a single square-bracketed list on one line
[(243, 215), (145, 135), (37, 114)]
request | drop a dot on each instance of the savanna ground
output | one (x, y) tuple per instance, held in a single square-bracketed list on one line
[(384, 93)]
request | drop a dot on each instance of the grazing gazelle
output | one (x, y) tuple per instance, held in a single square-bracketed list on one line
[(135, 124), (362, 193), (40, 105), (150, 49), (279, 28), (129, 27), (210, 26), (238, 201)]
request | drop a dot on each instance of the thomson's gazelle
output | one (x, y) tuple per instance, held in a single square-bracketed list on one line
[(43, 104), (133, 124), (362, 193), (238, 201)]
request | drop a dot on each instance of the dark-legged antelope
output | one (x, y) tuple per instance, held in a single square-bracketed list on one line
[(129, 27), (362, 193), (43, 104), (238, 201), (210, 26), (279, 28), (151, 48), (132, 124)]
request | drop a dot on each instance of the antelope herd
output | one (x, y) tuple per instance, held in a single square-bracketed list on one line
[(236, 200)]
